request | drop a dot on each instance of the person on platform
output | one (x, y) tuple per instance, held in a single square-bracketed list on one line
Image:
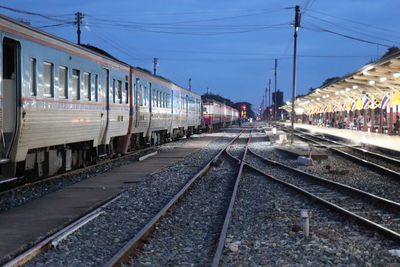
[(396, 125)]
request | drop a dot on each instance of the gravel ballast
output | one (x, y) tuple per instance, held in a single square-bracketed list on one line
[(266, 225), (188, 234), (96, 242), (355, 176)]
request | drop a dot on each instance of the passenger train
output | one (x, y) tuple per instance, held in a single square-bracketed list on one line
[(64, 105), (216, 114)]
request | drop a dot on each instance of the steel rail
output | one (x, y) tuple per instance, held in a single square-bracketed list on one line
[(45, 244), (18, 183), (386, 231), (126, 251), (229, 212), (371, 165), (379, 200), (343, 187)]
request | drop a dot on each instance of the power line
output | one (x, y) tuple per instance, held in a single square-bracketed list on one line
[(346, 36), (33, 14)]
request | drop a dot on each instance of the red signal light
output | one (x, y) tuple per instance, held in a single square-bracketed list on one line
[(270, 109), (244, 107)]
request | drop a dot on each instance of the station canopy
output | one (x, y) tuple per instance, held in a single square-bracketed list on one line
[(376, 85)]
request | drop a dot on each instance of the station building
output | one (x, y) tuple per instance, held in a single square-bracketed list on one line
[(365, 100)]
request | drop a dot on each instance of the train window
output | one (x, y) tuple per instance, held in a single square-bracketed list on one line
[(113, 90), (126, 92), (153, 96), (33, 77), (165, 99), (62, 82), (86, 86), (75, 84), (145, 100), (48, 79), (119, 91), (141, 95), (96, 87)]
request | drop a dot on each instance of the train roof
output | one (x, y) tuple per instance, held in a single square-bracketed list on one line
[(210, 101), (88, 49), (34, 31)]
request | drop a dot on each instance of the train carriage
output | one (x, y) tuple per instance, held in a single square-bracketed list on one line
[(62, 105), (216, 114)]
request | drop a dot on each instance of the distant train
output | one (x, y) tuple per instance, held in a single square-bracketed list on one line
[(63, 105), (216, 114)]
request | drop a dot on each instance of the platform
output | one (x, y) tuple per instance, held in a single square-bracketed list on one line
[(375, 139), (35, 220)]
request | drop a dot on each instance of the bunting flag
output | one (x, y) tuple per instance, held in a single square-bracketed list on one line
[(343, 106), (385, 102), (396, 99), (329, 108), (334, 108), (349, 106), (325, 108), (353, 106), (359, 104), (366, 102)]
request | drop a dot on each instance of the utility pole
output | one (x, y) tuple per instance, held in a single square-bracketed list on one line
[(155, 62), (269, 96), (275, 104), (78, 21), (190, 84), (296, 28), (266, 103)]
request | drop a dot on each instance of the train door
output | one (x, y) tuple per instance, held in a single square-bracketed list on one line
[(104, 95), (187, 108), (10, 90), (150, 104), (138, 100)]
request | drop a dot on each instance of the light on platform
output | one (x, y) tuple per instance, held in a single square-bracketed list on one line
[(337, 92), (342, 91), (299, 111), (371, 82), (355, 86), (327, 96), (318, 99), (396, 74), (347, 89), (382, 79)]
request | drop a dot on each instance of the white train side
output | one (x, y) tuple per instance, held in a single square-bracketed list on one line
[(63, 105)]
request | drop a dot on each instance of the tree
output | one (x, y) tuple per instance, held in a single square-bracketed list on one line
[(391, 50)]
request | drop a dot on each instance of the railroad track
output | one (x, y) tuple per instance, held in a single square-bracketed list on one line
[(17, 183), (377, 162), (130, 249), (378, 213)]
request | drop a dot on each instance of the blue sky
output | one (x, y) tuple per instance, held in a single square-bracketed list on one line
[(228, 46)]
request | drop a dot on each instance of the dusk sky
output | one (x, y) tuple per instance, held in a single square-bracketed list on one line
[(228, 46)]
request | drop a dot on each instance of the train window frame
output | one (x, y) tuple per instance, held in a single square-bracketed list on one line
[(33, 77), (63, 85), (86, 86), (126, 93), (76, 84), (48, 79), (96, 87), (119, 92), (113, 90)]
